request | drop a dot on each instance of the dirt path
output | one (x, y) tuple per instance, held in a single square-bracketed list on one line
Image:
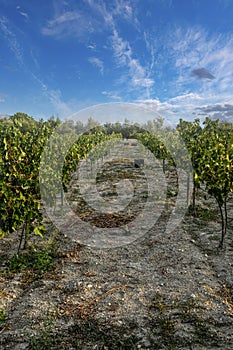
[(159, 292)]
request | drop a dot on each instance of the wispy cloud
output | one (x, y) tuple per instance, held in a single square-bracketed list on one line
[(55, 98), (124, 9), (188, 106), (95, 61), (11, 39), (122, 50), (100, 9), (185, 105), (200, 65), (114, 11), (113, 95), (185, 98), (193, 49), (138, 76), (91, 47), (200, 68), (81, 22), (150, 48), (127, 10), (71, 23), (22, 13), (103, 17)]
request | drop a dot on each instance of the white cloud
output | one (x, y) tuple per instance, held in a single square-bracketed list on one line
[(91, 47), (143, 82), (71, 23), (112, 95), (22, 13), (161, 108), (150, 48), (184, 50), (55, 98), (121, 48), (103, 16), (186, 97), (124, 9), (194, 48), (99, 7), (11, 39), (98, 63), (137, 74), (2, 100), (58, 24), (117, 9), (191, 105)]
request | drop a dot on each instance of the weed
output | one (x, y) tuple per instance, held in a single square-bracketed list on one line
[(168, 316), (84, 335), (206, 214), (171, 193), (114, 338), (2, 316), (37, 259), (45, 338)]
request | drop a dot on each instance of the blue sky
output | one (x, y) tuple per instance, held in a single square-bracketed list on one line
[(174, 56)]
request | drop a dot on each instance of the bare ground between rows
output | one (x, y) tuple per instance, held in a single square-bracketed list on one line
[(163, 291)]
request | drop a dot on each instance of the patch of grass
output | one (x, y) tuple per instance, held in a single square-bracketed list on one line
[(205, 214), (46, 338), (37, 259), (88, 334), (171, 193), (2, 316), (170, 316)]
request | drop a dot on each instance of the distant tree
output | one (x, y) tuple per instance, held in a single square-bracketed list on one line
[(91, 123)]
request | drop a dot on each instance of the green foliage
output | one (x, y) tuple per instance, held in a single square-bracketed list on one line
[(211, 150), (45, 339), (168, 315), (62, 155), (22, 140), (94, 144), (2, 316), (153, 144), (39, 260), (22, 166), (27, 172), (190, 133), (206, 214)]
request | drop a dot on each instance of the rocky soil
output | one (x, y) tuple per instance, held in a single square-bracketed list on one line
[(162, 291)]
